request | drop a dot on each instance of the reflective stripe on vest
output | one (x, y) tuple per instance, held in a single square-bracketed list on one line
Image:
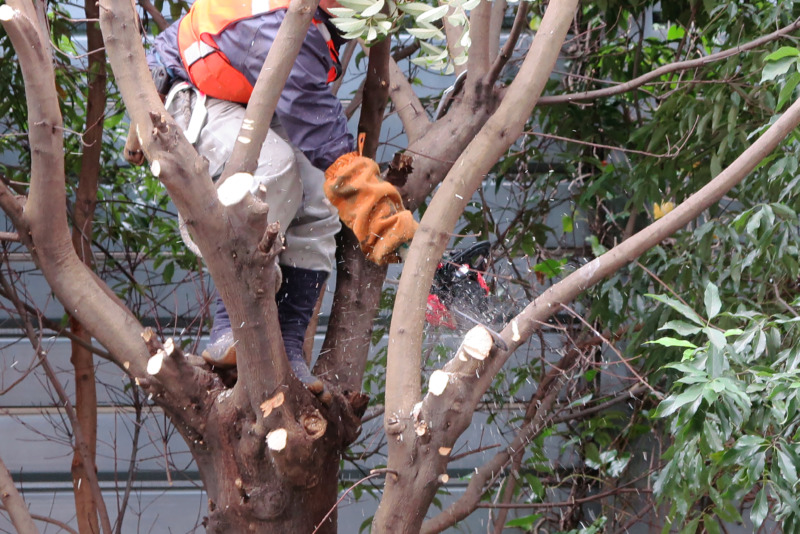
[(209, 69)]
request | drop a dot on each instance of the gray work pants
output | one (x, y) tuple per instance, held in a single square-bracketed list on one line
[(294, 187)]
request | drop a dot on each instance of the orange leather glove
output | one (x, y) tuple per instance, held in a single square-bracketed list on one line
[(370, 207)]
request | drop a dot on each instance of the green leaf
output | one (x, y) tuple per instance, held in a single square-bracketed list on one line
[(681, 327), (374, 9), (526, 522), (433, 14), (716, 337), (675, 33), (782, 52), (679, 307), (759, 510), (672, 342), (787, 91), (788, 469), (777, 68), (566, 223), (414, 8), (551, 267), (711, 300)]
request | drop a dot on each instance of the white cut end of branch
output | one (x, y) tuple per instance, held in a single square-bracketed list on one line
[(126, 365), (421, 428), (7, 12), (169, 346), (276, 440), (154, 363), (248, 124), (515, 331), (438, 382), (444, 478), (244, 140), (444, 451), (155, 168), (477, 343), (416, 410), (234, 189)]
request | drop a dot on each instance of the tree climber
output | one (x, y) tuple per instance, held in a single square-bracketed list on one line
[(215, 53)]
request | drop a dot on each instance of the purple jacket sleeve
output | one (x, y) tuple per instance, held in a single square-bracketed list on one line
[(165, 52), (312, 116)]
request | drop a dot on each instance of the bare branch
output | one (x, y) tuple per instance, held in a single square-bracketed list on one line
[(502, 129), (495, 27), (667, 69), (151, 10), (520, 21)]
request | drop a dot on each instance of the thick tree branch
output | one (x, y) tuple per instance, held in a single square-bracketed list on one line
[(478, 59), (502, 129), (14, 505), (406, 103), (83, 217), (376, 94), (268, 88), (500, 61), (358, 282), (44, 215), (539, 413), (496, 26), (586, 96)]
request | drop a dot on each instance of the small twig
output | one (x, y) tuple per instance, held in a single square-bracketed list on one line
[(151, 10), (473, 451), (639, 377), (671, 153), (783, 302), (372, 474), (571, 502)]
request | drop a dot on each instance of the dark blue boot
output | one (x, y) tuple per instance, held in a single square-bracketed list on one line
[(297, 298), (221, 349)]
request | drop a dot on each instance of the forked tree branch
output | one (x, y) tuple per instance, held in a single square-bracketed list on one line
[(44, 215), (502, 129)]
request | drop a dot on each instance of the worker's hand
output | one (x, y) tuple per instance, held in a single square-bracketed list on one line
[(370, 207), (133, 150)]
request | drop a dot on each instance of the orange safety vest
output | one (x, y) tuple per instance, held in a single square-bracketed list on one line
[(209, 69)]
